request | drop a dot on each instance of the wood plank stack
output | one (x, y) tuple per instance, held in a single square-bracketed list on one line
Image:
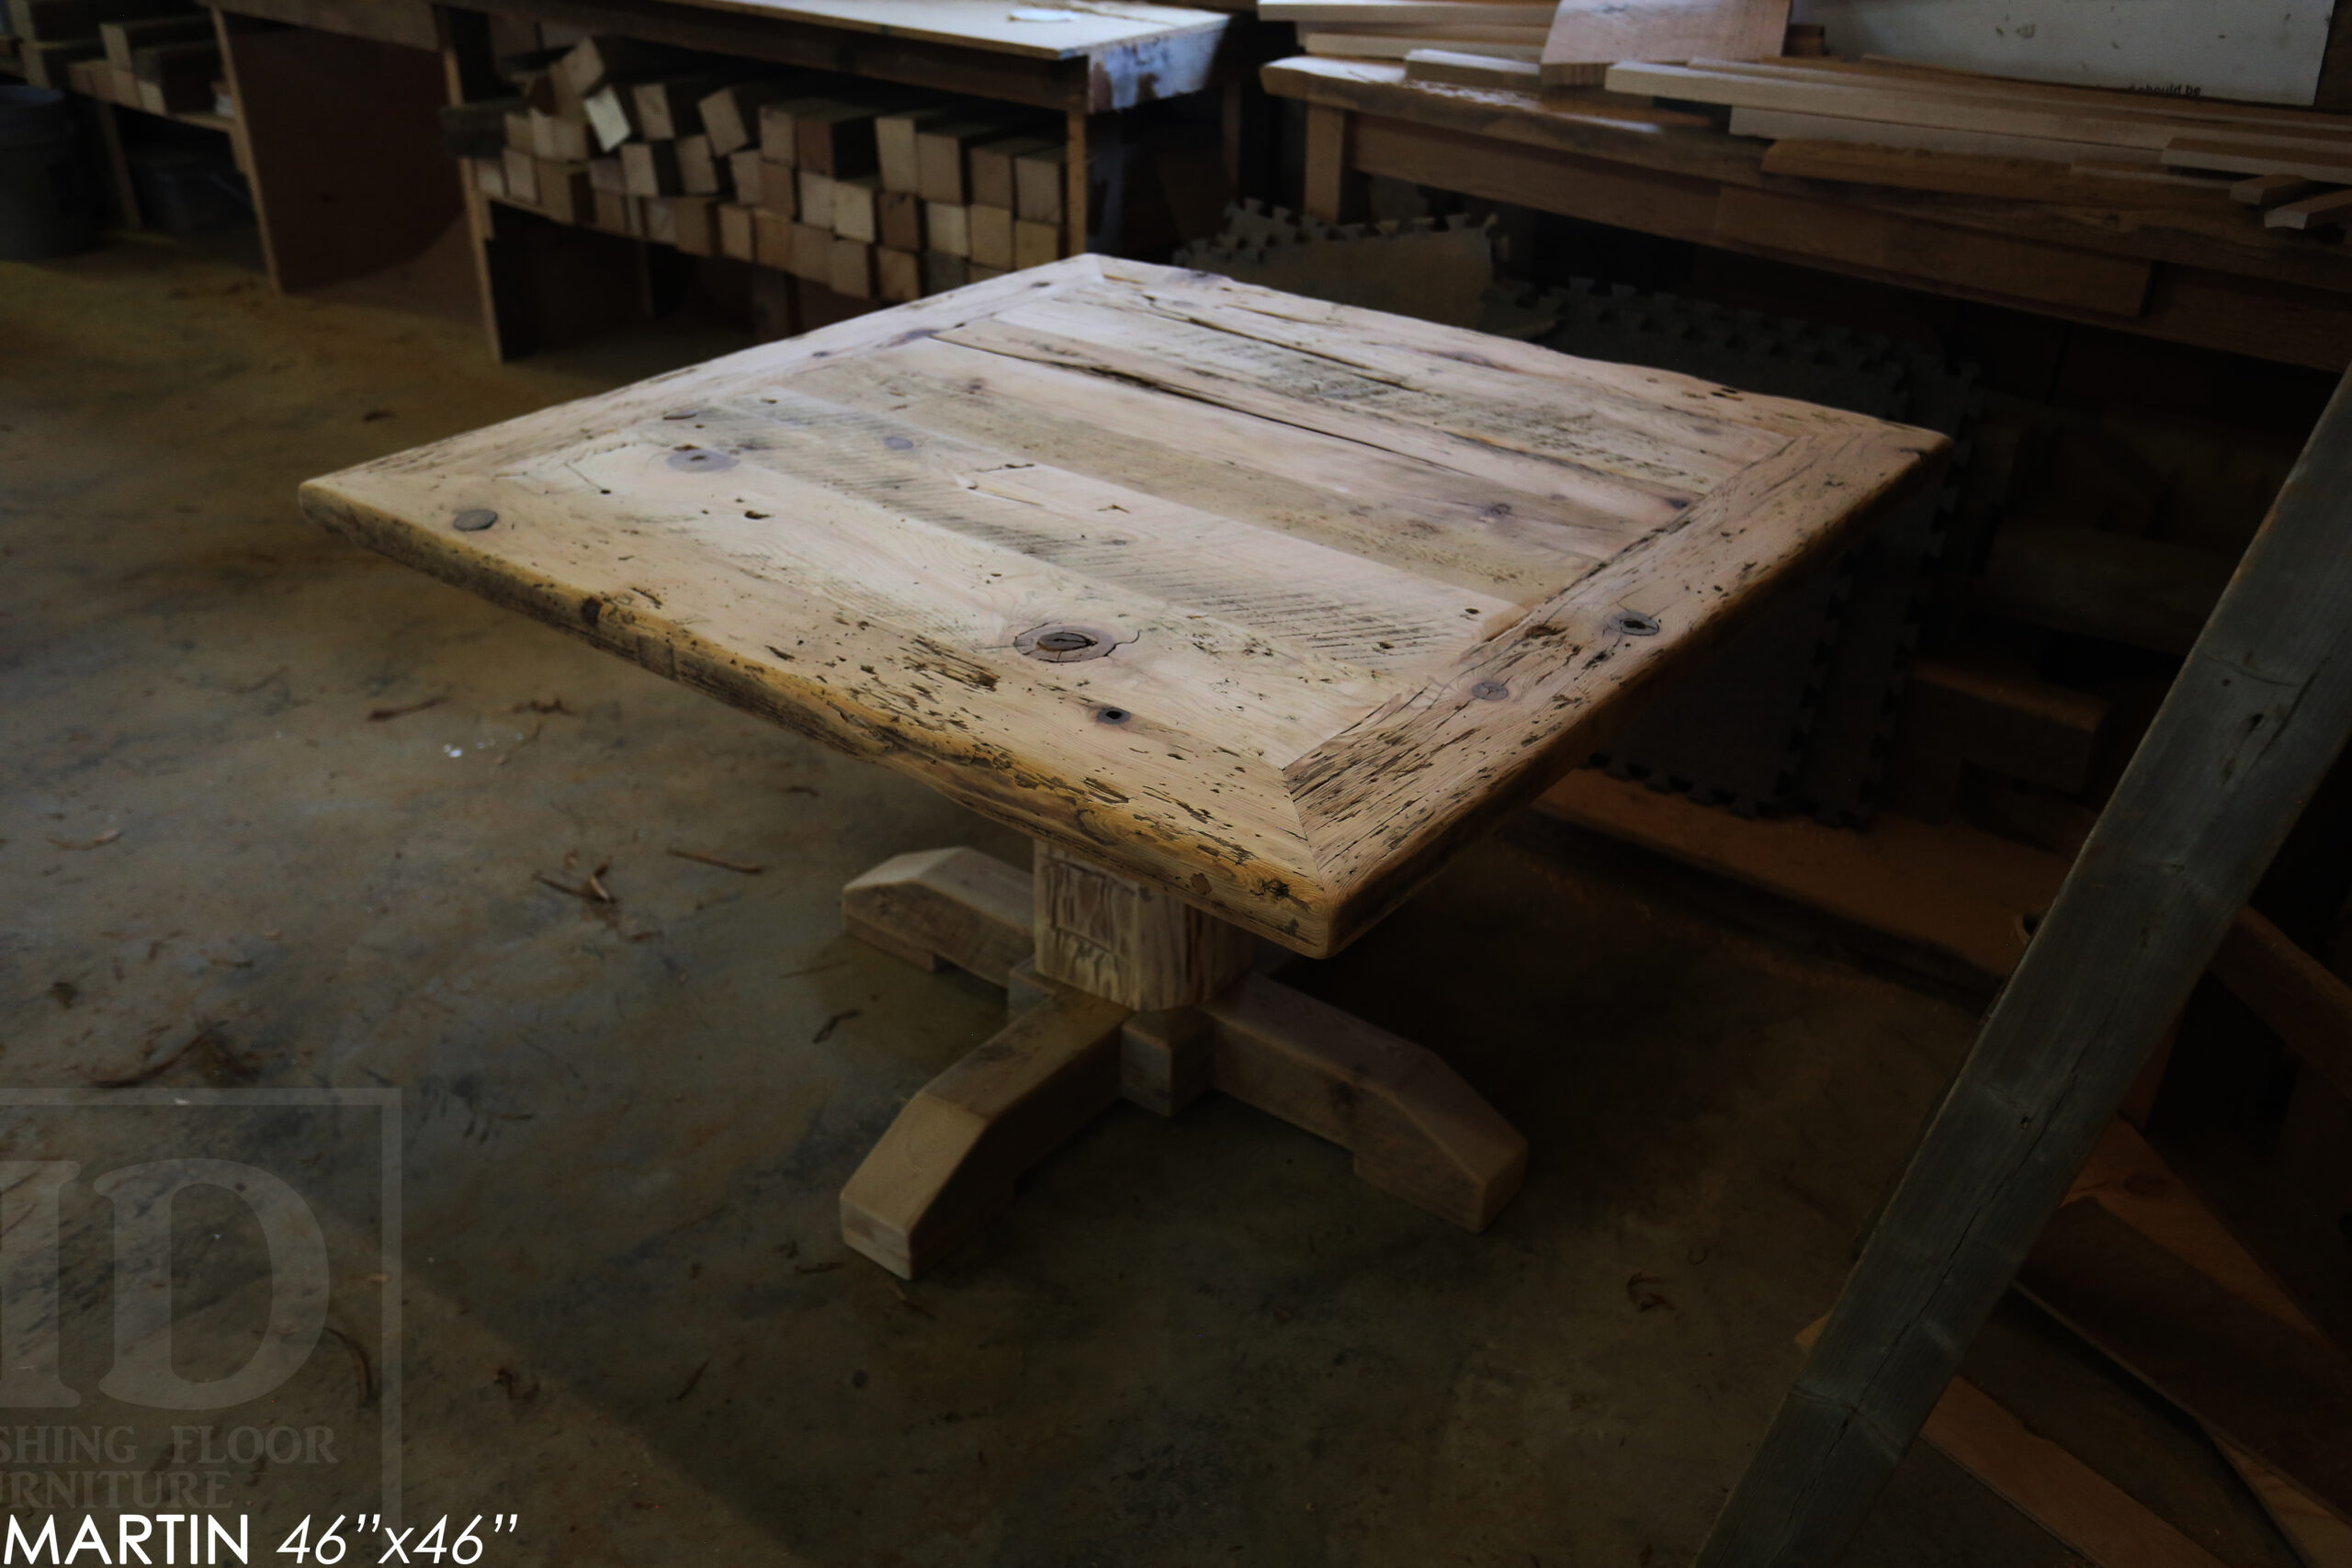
[(1502, 38), (875, 191), (1918, 127), (155, 55)]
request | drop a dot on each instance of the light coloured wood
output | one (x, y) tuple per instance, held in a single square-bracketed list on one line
[(1961, 173), (1040, 182), (1163, 1055), (1116, 937), (2263, 192), (898, 274), (1417, 1131), (1914, 79), (1320, 706), (956, 905), (949, 1161), (1451, 66), (2330, 209), (2018, 270), (1396, 46), (2106, 1526), (1040, 32), (1600, 32), (2219, 49), (1786, 124), (991, 236), (2122, 124), (1441, 13), (948, 227), (1324, 194), (2133, 1182), (2306, 1003), (1034, 245), (854, 209), (2238, 155), (2053, 1488)]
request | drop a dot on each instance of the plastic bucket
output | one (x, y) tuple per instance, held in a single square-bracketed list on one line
[(47, 205)]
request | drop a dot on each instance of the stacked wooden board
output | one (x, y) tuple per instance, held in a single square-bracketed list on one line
[(875, 191), (1516, 44), (1483, 42), (1923, 129), (143, 54)]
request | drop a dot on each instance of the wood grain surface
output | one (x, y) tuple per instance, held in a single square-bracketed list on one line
[(1366, 582)]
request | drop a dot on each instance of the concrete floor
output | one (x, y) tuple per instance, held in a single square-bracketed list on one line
[(628, 1314)]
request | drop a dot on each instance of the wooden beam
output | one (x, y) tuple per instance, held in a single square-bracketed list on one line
[(1417, 1131), (2300, 998), (1325, 193), (2024, 270), (2258, 715), (947, 1163), (2269, 1389), (953, 906)]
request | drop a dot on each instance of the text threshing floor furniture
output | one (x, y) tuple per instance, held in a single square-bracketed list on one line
[(1250, 610)]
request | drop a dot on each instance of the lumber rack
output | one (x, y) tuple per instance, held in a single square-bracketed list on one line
[(1606, 158)]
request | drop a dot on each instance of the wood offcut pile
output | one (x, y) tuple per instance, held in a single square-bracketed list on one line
[(143, 54), (875, 191), (1535, 44), (1922, 128)]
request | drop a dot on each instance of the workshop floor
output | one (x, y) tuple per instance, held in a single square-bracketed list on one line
[(274, 812)]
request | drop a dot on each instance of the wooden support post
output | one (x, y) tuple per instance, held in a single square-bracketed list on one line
[(1078, 211), (126, 191), (1331, 188), (1174, 1011), (2261, 708), (1417, 1131), (948, 1162), (1123, 938)]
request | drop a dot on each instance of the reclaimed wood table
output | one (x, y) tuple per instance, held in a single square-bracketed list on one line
[(1251, 611)]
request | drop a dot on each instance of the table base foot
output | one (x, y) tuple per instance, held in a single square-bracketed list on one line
[(949, 1160)]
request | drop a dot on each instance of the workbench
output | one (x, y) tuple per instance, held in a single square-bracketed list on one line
[(2212, 279), (350, 176)]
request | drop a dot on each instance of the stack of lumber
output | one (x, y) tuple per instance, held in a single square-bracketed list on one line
[(1476, 42), (1590, 36), (876, 192), (143, 54), (1917, 128)]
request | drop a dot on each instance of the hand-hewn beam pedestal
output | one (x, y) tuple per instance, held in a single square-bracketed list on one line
[(1117, 989)]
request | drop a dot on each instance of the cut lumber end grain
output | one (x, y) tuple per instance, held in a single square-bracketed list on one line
[(2264, 192), (2330, 209)]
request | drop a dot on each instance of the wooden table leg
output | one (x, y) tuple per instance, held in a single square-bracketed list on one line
[(1333, 191), (1123, 938), (1417, 1131), (1115, 988), (948, 1162)]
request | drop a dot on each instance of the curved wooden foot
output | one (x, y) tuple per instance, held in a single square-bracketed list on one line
[(949, 1160), (1417, 1130), (954, 906)]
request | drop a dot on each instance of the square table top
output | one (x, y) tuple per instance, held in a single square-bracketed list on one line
[(1270, 602)]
